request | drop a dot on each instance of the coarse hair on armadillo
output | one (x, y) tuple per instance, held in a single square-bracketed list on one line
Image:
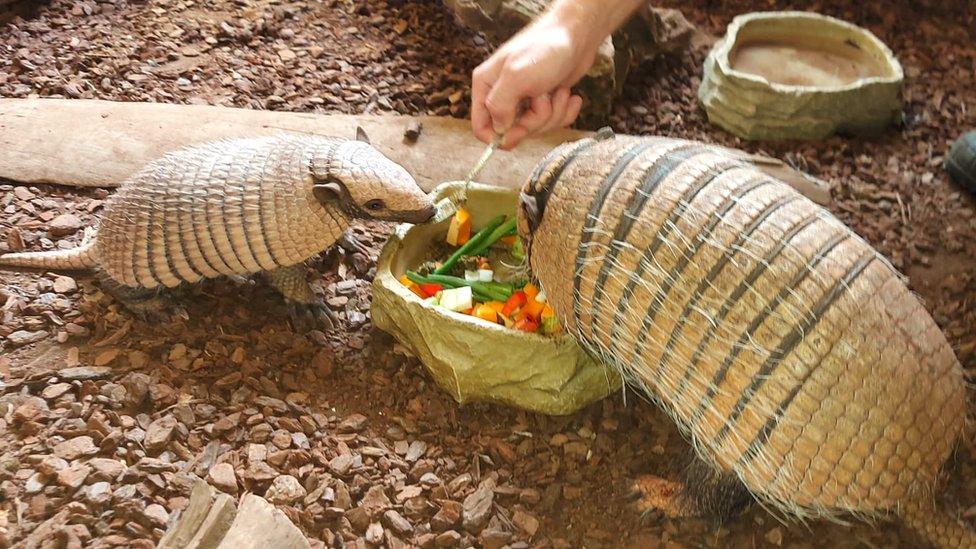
[(787, 350), (238, 207)]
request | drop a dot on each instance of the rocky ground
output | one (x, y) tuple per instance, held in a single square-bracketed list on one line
[(106, 421)]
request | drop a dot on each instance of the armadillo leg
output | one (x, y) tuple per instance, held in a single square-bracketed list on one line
[(291, 283), (351, 244), (147, 305), (700, 491), (305, 307)]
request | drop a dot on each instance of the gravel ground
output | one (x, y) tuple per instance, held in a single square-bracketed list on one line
[(105, 421)]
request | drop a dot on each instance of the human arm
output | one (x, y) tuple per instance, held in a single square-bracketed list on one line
[(539, 65)]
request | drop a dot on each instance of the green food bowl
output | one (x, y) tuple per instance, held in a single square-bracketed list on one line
[(474, 360)]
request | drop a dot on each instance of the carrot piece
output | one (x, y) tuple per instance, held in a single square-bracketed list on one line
[(485, 312), (459, 231), (530, 291)]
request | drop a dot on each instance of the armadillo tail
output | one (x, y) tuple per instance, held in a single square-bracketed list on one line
[(938, 528), (82, 257)]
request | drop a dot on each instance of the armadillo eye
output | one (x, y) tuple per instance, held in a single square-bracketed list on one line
[(375, 204)]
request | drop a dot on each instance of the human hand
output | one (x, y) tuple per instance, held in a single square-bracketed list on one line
[(535, 70)]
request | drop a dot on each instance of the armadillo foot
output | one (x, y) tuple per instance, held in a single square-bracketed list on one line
[(309, 316), (146, 305), (653, 495)]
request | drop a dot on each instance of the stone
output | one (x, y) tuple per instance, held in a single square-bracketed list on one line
[(285, 489), (447, 517), (74, 477), (64, 225), (159, 433), (65, 285), (52, 392), (99, 493), (157, 514), (25, 337), (448, 539), (341, 464), (84, 373), (528, 523), (108, 470), (477, 509), (75, 448), (353, 424), (50, 465), (395, 521), (223, 478)]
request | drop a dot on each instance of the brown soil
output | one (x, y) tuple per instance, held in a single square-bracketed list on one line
[(113, 446)]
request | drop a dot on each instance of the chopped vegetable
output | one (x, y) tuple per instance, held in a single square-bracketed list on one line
[(471, 276), (518, 249), (485, 275), (412, 286), (430, 289), (485, 312), (508, 240), (530, 291), (496, 306), (457, 299), (460, 230), (541, 296), (534, 309), (470, 245), (526, 324), (515, 302), (503, 230)]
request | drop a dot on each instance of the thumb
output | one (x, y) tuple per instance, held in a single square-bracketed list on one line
[(503, 101)]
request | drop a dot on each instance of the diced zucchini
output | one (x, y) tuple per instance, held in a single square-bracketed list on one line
[(457, 299), (471, 276), (485, 275)]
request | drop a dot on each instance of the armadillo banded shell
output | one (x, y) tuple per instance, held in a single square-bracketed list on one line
[(784, 346), (223, 208)]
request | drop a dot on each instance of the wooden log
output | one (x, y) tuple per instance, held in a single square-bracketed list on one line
[(91, 143)]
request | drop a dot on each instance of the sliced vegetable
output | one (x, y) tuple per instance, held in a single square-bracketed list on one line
[(530, 291), (430, 289), (471, 276), (459, 231), (518, 249), (534, 309), (457, 299), (485, 312), (515, 302), (526, 324), (485, 275), (471, 244), (541, 296), (508, 240), (549, 325), (413, 287), (496, 306), (502, 230)]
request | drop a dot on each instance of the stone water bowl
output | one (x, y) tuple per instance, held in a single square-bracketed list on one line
[(800, 75)]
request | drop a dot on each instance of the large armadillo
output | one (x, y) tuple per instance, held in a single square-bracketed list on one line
[(788, 351), (237, 207)]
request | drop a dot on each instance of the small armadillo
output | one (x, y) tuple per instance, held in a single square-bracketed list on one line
[(788, 351), (237, 207)]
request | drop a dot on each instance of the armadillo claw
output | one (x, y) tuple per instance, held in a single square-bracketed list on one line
[(652, 495), (352, 245), (310, 316)]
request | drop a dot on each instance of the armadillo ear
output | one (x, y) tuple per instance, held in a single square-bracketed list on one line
[(361, 135), (531, 207), (327, 193)]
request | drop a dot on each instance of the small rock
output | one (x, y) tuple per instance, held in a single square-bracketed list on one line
[(157, 514), (416, 450), (525, 521), (52, 392), (64, 224), (374, 534), (287, 55), (75, 448), (35, 483), (477, 509), (341, 464), (84, 373), (74, 477), (99, 493), (32, 409), (353, 424), (256, 452), (529, 496), (396, 522), (24, 337), (447, 517), (358, 518), (375, 500), (159, 433), (65, 285), (448, 539), (413, 131), (15, 240), (492, 538), (285, 489), (223, 478), (108, 470), (50, 465)]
